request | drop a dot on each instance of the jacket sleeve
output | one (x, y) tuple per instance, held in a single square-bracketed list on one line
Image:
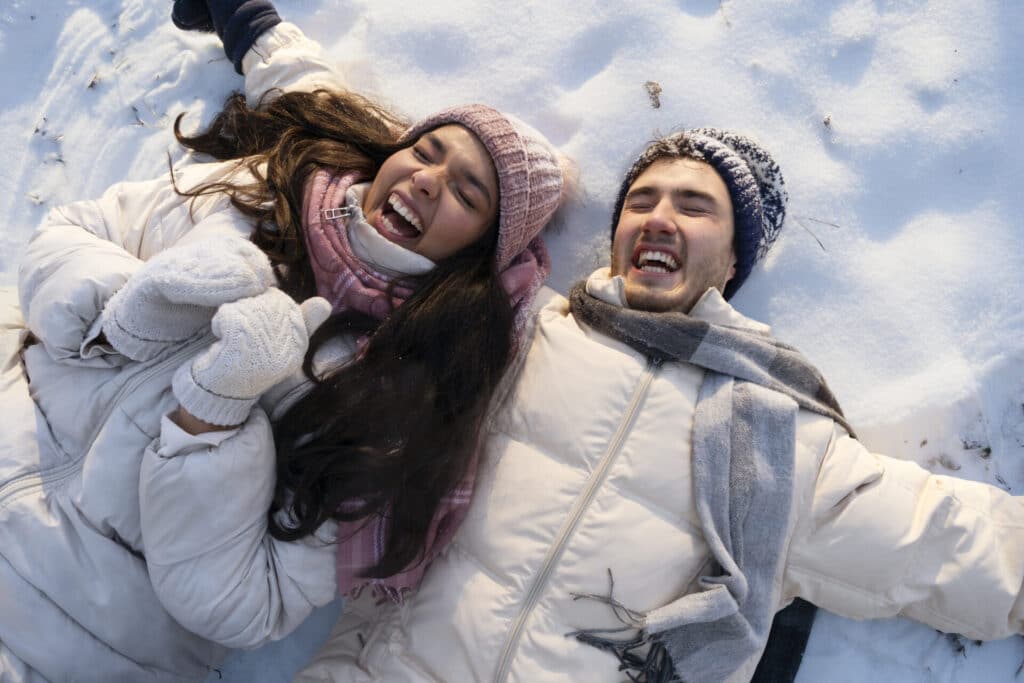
[(283, 58), (877, 536), (84, 252), (204, 527), (80, 255)]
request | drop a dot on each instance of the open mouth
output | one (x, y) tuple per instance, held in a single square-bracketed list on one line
[(655, 261), (400, 220)]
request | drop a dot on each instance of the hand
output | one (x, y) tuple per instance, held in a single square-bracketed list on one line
[(238, 23), (176, 293), (192, 15), (260, 341)]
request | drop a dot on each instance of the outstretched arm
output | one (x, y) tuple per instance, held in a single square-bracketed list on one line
[(238, 23), (883, 536), (270, 53)]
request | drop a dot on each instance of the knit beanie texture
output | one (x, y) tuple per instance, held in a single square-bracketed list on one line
[(754, 180), (529, 173)]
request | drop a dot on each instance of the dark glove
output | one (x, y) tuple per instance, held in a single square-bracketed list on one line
[(238, 23), (192, 15)]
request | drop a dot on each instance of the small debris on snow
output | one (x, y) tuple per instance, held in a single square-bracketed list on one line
[(957, 643), (653, 89), (945, 461)]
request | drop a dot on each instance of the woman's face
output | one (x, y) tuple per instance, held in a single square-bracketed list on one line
[(437, 196)]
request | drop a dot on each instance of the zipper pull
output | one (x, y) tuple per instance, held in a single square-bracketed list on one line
[(337, 212)]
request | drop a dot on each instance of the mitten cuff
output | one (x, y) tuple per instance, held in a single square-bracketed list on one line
[(206, 405), (128, 343)]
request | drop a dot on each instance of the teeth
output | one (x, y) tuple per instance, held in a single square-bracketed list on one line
[(390, 227), (647, 256), (405, 212)]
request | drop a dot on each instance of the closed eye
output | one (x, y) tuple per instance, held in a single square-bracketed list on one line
[(420, 155), (641, 199), (465, 199)]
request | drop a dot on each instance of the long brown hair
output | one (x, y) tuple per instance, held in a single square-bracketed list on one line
[(280, 142), (389, 433)]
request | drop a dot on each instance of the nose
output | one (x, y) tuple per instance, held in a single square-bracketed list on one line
[(660, 220), (428, 181)]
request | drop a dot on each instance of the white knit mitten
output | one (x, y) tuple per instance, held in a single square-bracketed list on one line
[(260, 341), (175, 294)]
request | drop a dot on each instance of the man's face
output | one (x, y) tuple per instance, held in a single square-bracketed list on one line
[(674, 237)]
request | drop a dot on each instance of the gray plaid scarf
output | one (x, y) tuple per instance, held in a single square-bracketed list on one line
[(744, 441)]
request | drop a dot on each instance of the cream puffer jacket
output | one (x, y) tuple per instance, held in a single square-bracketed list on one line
[(588, 470), (124, 557)]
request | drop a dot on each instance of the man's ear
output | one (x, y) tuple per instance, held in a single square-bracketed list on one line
[(732, 265)]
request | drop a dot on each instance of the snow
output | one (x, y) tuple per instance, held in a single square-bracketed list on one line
[(895, 123)]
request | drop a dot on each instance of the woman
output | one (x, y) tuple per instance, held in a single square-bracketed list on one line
[(136, 478)]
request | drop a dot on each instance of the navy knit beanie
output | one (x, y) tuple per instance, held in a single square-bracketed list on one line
[(754, 180)]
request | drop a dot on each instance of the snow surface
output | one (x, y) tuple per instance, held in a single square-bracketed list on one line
[(896, 123)]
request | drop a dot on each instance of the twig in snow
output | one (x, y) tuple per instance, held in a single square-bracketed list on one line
[(800, 222), (818, 220), (135, 112)]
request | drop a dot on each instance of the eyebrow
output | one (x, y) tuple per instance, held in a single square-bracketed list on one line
[(645, 190), (440, 148)]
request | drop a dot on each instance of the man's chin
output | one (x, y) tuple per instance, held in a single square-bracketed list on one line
[(641, 298)]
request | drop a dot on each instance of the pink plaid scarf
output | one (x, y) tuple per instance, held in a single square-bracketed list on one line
[(349, 283), (342, 278)]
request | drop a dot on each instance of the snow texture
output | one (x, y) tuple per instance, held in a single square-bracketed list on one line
[(896, 125)]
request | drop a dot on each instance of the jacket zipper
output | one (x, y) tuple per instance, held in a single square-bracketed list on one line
[(569, 526), (31, 480)]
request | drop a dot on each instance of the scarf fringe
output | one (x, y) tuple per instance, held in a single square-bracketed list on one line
[(652, 666)]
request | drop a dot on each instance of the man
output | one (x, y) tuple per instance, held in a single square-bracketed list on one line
[(665, 476)]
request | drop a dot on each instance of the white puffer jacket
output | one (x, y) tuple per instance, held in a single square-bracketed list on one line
[(589, 470), (95, 483)]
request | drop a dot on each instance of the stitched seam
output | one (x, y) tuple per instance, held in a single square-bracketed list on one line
[(869, 595), (135, 336), (661, 511), (199, 384)]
